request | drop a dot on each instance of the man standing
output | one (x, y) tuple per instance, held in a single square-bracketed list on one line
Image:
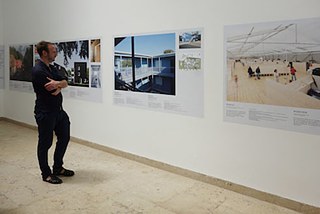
[(49, 114)]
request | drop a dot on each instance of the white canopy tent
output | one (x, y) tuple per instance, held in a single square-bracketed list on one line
[(297, 41)]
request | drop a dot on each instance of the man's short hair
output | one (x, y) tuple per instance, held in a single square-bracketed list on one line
[(43, 46)]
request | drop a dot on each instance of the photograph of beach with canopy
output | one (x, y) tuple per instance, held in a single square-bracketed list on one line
[(275, 63)]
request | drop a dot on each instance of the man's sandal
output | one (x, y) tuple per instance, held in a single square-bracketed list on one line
[(64, 172), (52, 179)]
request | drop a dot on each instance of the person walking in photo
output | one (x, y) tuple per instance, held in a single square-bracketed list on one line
[(49, 114), (276, 75), (250, 72), (293, 73), (258, 72)]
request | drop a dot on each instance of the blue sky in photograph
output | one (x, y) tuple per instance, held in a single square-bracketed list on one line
[(149, 44)]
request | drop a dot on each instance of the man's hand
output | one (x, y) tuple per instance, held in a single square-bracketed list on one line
[(53, 85), (56, 92)]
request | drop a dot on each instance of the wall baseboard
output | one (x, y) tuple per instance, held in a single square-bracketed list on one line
[(260, 195)]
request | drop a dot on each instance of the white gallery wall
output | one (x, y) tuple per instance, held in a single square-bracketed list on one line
[(1, 43), (279, 162)]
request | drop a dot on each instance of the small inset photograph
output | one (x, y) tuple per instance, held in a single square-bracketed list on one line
[(95, 50), (95, 76), (190, 39), (190, 61)]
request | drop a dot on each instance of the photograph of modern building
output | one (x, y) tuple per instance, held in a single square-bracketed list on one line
[(145, 63), (72, 60), (190, 40), (273, 63), (81, 73)]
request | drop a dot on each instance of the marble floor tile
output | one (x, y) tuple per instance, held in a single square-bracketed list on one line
[(106, 183)]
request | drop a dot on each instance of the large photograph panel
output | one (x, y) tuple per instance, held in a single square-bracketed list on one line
[(272, 74), (274, 63), (160, 71), (145, 63), (78, 60), (21, 62)]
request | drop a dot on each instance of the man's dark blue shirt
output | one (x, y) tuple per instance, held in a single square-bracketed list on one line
[(45, 101)]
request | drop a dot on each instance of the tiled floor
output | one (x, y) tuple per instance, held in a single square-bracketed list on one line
[(105, 183)]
